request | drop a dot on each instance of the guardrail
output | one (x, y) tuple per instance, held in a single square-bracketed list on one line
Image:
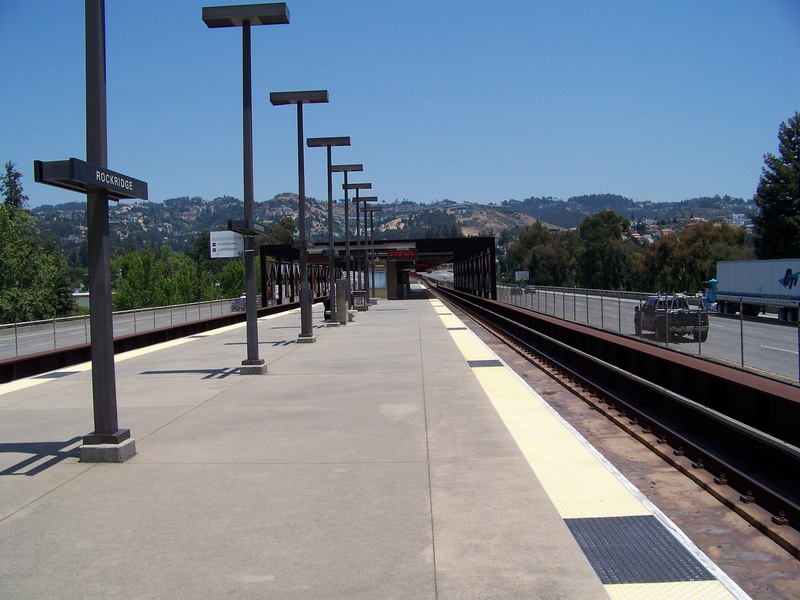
[(142, 333), (31, 337)]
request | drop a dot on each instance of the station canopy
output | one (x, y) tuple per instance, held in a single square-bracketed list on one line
[(410, 255)]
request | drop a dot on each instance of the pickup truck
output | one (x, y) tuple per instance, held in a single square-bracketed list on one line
[(672, 315), (239, 303)]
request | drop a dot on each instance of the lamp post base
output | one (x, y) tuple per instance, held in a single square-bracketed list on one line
[(107, 453), (306, 339), (253, 367)]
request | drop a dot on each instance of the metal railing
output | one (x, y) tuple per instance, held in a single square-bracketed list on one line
[(30, 337), (763, 344)]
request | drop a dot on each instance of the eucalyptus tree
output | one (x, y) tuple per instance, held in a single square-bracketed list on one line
[(777, 224)]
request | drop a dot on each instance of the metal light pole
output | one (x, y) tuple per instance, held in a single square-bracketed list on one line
[(300, 98), (357, 187), (329, 142), (346, 169), (245, 15), (365, 200), (372, 210)]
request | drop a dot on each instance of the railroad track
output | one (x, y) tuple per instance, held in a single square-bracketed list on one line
[(752, 472)]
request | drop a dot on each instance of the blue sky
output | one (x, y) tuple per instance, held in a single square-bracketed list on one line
[(474, 101)]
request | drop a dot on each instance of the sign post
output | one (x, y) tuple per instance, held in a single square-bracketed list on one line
[(108, 443)]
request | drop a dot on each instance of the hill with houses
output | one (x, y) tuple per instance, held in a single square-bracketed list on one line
[(176, 222)]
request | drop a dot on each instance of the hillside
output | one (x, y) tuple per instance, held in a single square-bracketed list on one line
[(572, 212), (176, 221)]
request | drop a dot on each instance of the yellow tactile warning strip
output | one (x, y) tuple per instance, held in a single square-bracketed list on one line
[(597, 493), (669, 590), (606, 514)]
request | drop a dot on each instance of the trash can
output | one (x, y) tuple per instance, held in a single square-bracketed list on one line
[(360, 299)]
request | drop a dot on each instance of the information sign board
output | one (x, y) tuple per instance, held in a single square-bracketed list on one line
[(226, 244), (402, 255)]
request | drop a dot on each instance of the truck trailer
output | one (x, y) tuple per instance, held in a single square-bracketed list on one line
[(755, 286)]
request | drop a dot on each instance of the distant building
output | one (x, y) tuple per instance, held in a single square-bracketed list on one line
[(738, 219)]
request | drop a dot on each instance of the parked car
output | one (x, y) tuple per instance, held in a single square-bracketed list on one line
[(239, 303), (672, 315)]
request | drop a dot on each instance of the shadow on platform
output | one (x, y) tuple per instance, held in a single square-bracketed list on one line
[(43, 455)]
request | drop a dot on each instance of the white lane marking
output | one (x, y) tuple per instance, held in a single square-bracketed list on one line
[(779, 349)]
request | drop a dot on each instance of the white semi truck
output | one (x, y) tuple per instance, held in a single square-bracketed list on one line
[(756, 286)]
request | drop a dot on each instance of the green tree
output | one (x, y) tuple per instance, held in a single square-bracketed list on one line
[(185, 280), (606, 255), (201, 249), (281, 232), (548, 256), (33, 274), (777, 224), (520, 252), (231, 279), (699, 248), (682, 261), (658, 265), (559, 257), (11, 188), (160, 277), (140, 281)]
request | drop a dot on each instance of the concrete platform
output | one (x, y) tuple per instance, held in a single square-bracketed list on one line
[(370, 464)]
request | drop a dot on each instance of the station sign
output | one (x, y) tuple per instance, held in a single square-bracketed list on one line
[(247, 227), (80, 176), (226, 244), (402, 255), (296, 243)]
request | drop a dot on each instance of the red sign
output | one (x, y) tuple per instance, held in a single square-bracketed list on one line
[(402, 255)]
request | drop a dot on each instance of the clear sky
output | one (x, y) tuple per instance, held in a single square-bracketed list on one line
[(474, 101)]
